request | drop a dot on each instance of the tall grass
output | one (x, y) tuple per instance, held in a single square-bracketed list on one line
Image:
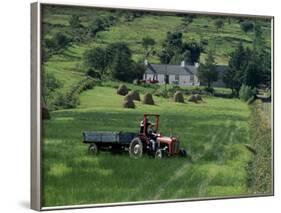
[(213, 133), (260, 166)]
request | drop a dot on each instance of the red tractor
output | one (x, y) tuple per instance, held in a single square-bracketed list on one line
[(148, 141)]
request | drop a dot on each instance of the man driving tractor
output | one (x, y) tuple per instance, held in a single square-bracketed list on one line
[(147, 128)]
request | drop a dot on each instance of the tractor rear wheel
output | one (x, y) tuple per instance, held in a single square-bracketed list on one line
[(136, 148), (93, 149), (182, 153)]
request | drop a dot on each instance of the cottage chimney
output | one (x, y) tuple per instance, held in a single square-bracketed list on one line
[(183, 63), (145, 62), (196, 65)]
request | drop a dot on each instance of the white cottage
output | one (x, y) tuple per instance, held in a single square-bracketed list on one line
[(183, 75), (179, 74)]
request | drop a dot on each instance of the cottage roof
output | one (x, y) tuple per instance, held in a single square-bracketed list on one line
[(168, 69), (175, 69)]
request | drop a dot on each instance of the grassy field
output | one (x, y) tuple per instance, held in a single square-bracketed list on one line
[(214, 134)]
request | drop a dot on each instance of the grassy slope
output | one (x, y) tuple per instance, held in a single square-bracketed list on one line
[(213, 133), (69, 62)]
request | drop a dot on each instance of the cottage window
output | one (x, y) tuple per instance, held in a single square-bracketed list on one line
[(177, 77)]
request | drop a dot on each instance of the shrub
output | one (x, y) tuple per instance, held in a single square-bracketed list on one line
[(209, 90), (148, 99), (178, 97), (122, 90), (45, 113), (246, 93)]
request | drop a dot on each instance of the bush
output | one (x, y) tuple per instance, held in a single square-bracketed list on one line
[(148, 99), (122, 90), (178, 97), (209, 90), (71, 98), (246, 93), (45, 113)]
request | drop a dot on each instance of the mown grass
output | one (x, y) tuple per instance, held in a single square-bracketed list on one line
[(214, 133)]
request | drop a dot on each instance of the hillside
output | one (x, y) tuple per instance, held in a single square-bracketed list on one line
[(154, 25)]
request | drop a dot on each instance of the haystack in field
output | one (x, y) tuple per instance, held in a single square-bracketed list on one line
[(128, 102), (192, 98), (178, 97), (135, 95), (198, 97), (148, 99), (195, 98), (122, 90), (45, 113)]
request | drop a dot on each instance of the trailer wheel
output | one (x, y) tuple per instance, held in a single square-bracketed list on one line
[(159, 154), (93, 149), (136, 148)]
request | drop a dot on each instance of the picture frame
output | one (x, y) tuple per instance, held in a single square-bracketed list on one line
[(165, 74)]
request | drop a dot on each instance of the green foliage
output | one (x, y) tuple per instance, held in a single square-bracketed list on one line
[(71, 98), (95, 26), (187, 20), (74, 21), (219, 23), (233, 77), (247, 26), (49, 86), (191, 52), (148, 44), (259, 168), (93, 73), (207, 72), (96, 59), (246, 93)]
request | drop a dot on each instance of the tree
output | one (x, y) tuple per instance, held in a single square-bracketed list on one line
[(74, 21), (95, 26), (49, 85), (258, 41), (194, 50), (233, 77), (116, 48), (247, 26), (60, 40), (219, 24), (148, 44), (121, 67), (173, 41), (187, 20), (252, 75), (166, 56), (207, 72), (96, 59)]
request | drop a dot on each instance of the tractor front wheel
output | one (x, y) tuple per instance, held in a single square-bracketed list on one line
[(159, 154), (93, 149), (136, 148)]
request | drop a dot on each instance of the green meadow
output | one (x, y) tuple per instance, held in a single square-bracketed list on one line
[(213, 132)]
